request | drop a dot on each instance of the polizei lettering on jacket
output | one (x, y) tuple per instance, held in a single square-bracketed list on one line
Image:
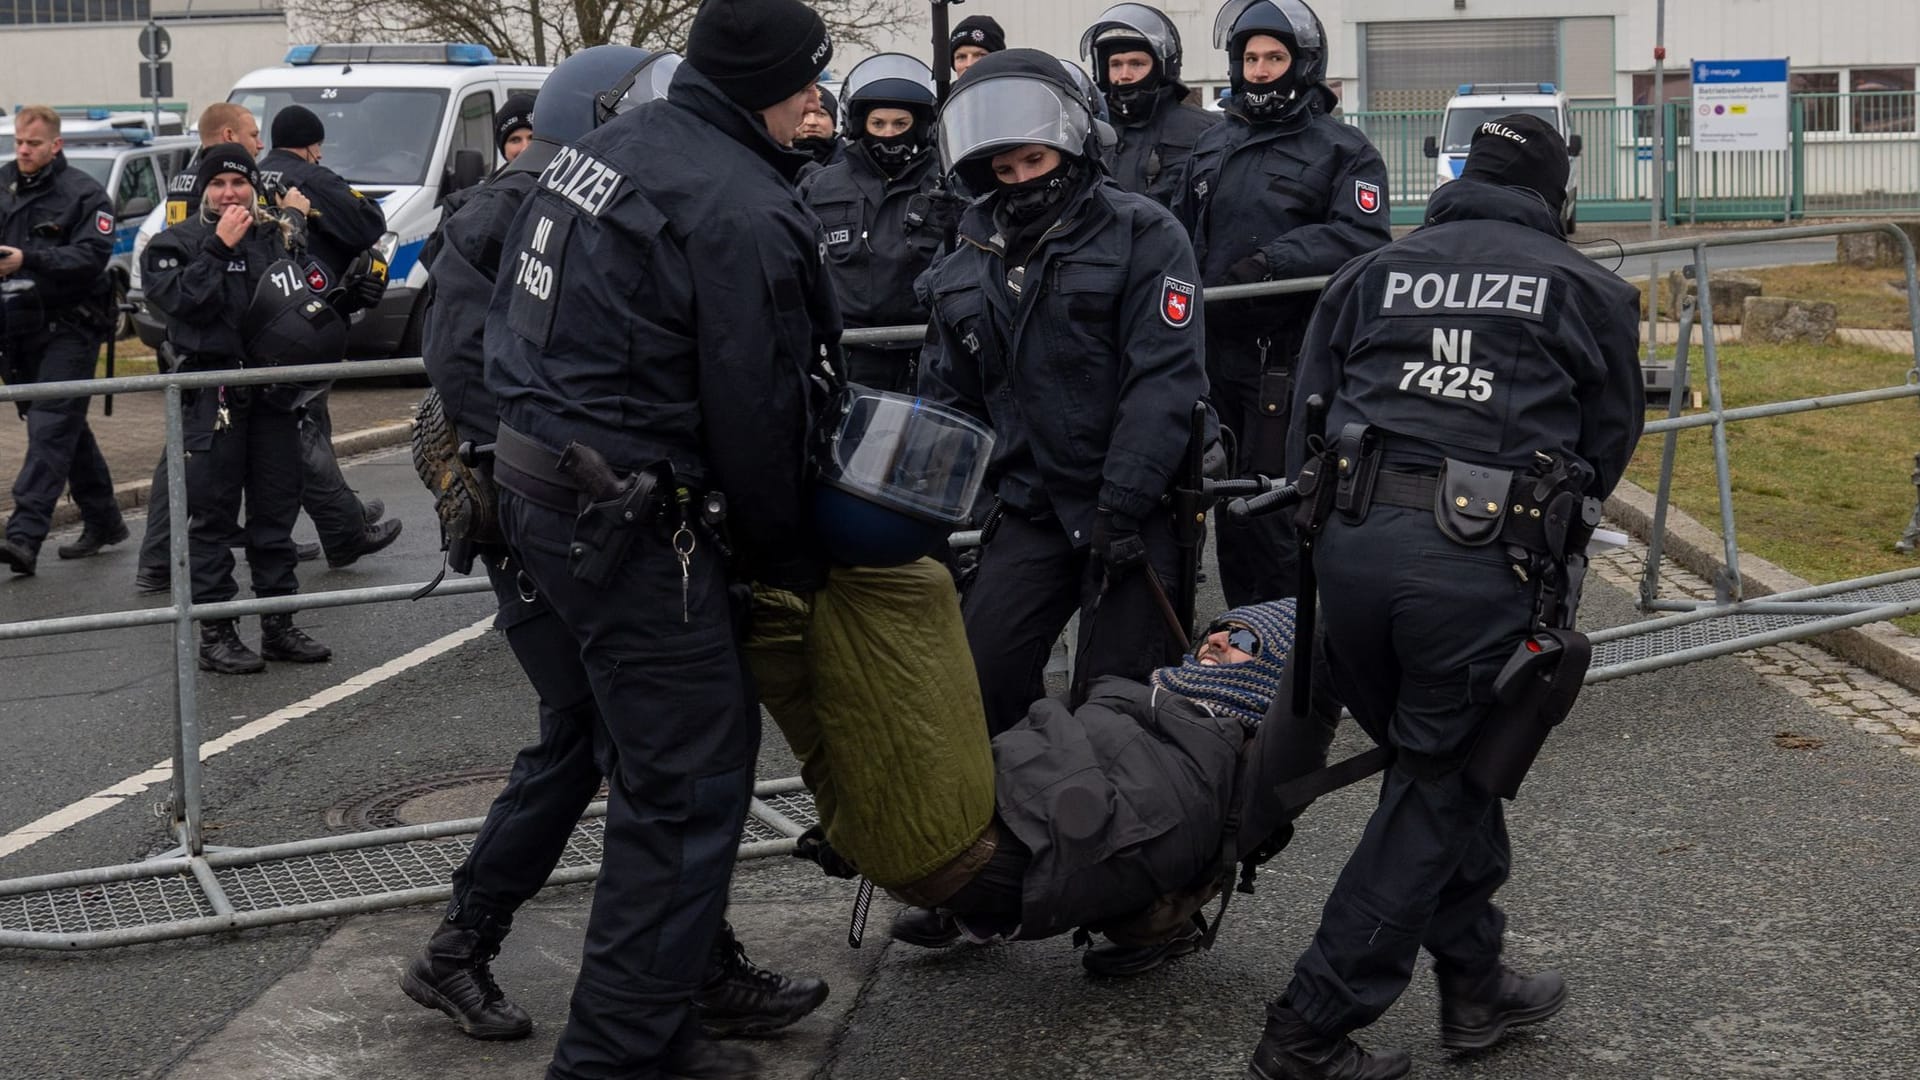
[(1480, 292), (582, 180)]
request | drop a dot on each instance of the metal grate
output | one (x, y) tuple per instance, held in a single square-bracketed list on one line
[(108, 906), (306, 880), (1730, 629)]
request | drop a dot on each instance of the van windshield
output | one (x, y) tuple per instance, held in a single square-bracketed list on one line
[(1463, 122), (377, 136)]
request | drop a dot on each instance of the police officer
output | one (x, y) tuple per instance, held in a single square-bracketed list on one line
[(887, 213), (554, 779), (56, 234), (1135, 52), (1280, 190), (1068, 319), (205, 275), (661, 300), (819, 134), (513, 125), (220, 123), (1498, 365), (341, 228), (976, 38)]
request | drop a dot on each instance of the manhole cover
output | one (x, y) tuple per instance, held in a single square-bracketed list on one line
[(450, 796)]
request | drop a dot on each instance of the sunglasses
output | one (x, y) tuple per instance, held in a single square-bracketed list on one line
[(1239, 637)]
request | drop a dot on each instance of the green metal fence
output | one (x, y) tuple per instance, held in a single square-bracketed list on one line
[(1848, 154)]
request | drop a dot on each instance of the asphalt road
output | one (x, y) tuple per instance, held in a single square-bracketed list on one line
[(1723, 906)]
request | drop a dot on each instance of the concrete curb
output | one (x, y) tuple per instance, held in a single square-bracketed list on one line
[(134, 494), (1881, 648)]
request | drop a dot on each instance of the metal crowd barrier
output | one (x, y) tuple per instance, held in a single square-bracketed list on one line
[(199, 889)]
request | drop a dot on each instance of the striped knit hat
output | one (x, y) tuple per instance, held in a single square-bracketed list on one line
[(1246, 689)]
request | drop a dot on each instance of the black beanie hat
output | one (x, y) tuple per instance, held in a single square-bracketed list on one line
[(830, 105), (227, 158), (758, 52), (978, 30), (295, 127), (1520, 151), (514, 114)]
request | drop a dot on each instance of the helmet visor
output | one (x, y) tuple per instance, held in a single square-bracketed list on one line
[(1008, 111), (889, 77), (1297, 16), (921, 459), (646, 82), (1132, 20)]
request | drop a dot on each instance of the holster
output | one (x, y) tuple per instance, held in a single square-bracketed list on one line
[(1265, 439), (1470, 501), (1357, 461), (617, 509), (1534, 692)]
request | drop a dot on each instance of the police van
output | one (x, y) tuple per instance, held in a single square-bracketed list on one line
[(1477, 103), (407, 124)]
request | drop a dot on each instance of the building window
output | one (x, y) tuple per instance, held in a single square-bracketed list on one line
[(45, 12), (1882, 100), (1822, 112), (1679, 85)]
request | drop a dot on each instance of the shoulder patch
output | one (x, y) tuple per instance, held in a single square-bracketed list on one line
[(1366, 196), (1176, 302), (103, 223)]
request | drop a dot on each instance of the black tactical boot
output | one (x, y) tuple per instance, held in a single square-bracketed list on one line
[(19, 555), (221, 650), (1125, 961), (370, 540), (451, 975), (1290, 1050), (1475, 1012), (92, 540), (306, 552), (924, 927), (742, 999), (704, 1059), (281, 640), (374, 509)]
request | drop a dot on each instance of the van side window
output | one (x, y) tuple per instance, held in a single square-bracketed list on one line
[(473, 129), (137, 181)]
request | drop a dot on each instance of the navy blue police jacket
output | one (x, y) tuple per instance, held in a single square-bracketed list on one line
[(663, 299), (1152, 155), (463, 264), (344, 222), (62, 223), (1482, 337), (873, 254), (1089, 376), (1309, 192), (203, 287)]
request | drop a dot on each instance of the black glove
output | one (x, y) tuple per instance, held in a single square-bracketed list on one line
[(369, 289), (1250, 269), (812, 846), (1117, 540)]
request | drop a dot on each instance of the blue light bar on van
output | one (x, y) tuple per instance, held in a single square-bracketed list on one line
[(1546, 88), (465, 54)]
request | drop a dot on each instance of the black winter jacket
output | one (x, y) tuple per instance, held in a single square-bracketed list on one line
[(62, 222), (203, 287), (344, 222), (1089, 376), (873, 253), (1122, 801), (1481, 336), (1152, 155), (663, 298)]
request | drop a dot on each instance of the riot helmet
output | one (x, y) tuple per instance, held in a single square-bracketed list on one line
[(1097, 102), (1011, 99), (1295, 25), (890, 81), (288, 323), (1126, 28), (896, 474), (593, 86)]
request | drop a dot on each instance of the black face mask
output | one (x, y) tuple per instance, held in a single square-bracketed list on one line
[(1136, 102), (893, 153), (1269, 101), (819, 146), (1031, 200)]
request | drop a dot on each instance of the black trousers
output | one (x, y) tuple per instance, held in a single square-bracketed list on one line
[(1416, 629), (61, 451), (337, 512), (1030, 582), (256, 458), (1260, 556), (677, 733), (553, 778)]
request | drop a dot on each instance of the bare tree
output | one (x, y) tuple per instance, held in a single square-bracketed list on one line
[(543, 31)]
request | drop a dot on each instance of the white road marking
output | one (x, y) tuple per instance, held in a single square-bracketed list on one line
[(107, 798)]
